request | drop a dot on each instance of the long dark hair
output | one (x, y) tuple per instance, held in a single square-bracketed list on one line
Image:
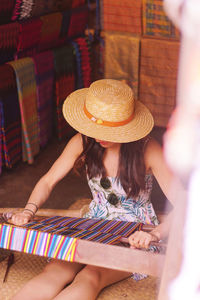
[(131, 169)]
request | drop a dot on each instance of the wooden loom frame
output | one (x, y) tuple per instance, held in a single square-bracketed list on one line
[(109, 256)]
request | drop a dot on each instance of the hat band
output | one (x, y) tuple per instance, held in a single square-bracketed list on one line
[(107, 123)]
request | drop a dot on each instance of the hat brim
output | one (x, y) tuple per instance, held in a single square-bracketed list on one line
[(139, 127)]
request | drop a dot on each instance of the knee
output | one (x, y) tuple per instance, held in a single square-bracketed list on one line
[(90, 275), (59, 269)]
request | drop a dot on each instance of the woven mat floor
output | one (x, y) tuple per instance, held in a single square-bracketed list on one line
[(27, 266)]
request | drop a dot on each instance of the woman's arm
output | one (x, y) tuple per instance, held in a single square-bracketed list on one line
[(45, 185), (154, 161)]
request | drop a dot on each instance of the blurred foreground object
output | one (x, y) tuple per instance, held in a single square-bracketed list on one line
[(181, 277)]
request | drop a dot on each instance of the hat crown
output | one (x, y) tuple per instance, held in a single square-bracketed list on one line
[(110, 100)]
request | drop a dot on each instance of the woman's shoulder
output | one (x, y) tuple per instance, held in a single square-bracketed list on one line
[(75, 145), (152, 152)]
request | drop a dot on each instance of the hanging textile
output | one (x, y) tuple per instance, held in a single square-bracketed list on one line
[(158, 76), (155, 21), (83, 61), (44, 73), (9, 36), (26, 85), (50, 31), (124, 16), (6, 9), (78, 21), (121, 58), (64, 65), (29, 35), (10, 118)]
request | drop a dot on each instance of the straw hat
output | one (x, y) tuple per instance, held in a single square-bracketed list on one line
[(107, 111)]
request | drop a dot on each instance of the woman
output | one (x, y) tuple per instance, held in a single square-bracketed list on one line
[(119, 159)]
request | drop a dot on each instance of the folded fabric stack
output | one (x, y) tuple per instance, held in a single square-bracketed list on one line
[(10, 127), (38, 71)]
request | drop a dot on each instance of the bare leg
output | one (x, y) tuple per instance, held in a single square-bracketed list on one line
[(89, 282), (50, 282)]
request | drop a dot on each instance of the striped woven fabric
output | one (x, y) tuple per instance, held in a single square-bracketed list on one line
[(78, 21), (39, 243), (82, 49), (44, 71), (9, 35), (155, 21), (10, 118), (124, 64), (64, 84), (61, 225), (26, 85), (158, 77), (6, 9), (50, 31), (124, 16)]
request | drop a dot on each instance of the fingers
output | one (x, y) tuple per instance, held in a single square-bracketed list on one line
[(20, 218), (141, 239)]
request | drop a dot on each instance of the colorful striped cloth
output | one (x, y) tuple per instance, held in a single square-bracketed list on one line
[(62, 225), (123, 48), (124, 16), (38, 243), (158, 77), (26, 85), (64, 84), (6, 9), (10, 118), (44, 72), (155, 21)]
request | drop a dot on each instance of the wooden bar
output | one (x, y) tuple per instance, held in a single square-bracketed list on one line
[(119, 258)]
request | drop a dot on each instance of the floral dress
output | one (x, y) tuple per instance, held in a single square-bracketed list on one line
[(139, 209)]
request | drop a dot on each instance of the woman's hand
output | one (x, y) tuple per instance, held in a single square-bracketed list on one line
[(21, 218), (142, 239)]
